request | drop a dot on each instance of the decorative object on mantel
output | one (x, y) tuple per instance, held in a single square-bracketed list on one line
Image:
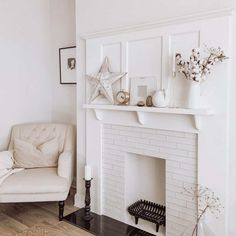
[(140, 104), (67, 63), (123, 97), (159, 98), (207, 202), (88, 178), (149, 211), (197, 69), (102, 82), (149, 101), (141, 87)]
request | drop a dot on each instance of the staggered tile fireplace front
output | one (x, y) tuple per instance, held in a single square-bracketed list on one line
[(178, 149)]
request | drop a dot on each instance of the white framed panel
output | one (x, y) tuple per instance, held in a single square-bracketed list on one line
[(178, 86)]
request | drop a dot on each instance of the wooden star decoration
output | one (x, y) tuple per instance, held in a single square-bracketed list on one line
[(102, 82)]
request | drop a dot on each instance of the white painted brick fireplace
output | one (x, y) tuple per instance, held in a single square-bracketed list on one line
[(178, 149)]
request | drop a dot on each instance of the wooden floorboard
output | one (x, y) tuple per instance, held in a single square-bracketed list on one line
[(15, 218)]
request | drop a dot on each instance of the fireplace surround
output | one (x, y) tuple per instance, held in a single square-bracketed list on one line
[(178, 149)]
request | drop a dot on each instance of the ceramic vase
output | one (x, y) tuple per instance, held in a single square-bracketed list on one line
[(194, 95), (159, 98)]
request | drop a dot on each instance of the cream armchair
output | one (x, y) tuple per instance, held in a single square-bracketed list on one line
[(42, 184)]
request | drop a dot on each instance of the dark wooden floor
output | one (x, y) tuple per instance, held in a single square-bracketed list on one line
[(15, 218)]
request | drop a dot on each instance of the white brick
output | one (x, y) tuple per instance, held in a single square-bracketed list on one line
[(188, 173), (192, 154), (178, 202), (171, 211), (184, 196), (137, 140), (170, 133), (130, 134), (173, 206), (172, 232), (170, 194), (174, 152), (181, 140), (175, 226), (110, 131), (174, 188), (154, 137), (162, 143), (187, 147), (189, 211), (124, 143), (188, 167), (186, 160), (114, 173), (121, 127), (175, 164), (191, 136), (144, 130), (174, 182), (185, 179), (179, 220), (191, 205)]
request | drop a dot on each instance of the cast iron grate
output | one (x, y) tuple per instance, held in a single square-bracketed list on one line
[(149, 211), (138, 232)]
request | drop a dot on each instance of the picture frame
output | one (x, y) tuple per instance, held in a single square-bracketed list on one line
[(67, 64), (141, 88)]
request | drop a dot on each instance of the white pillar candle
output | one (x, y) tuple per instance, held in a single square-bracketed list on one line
[(88, 173)]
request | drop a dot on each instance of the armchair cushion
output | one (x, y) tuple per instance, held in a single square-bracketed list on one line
[(35, 181), (27, 155)]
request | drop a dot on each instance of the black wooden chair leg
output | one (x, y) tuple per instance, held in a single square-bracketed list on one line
[(61, 209), (157, 227), (136, 220)]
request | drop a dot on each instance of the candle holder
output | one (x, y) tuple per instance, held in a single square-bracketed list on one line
[(87, 209)]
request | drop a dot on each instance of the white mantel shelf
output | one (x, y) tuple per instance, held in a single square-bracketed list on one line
[(142, 112)]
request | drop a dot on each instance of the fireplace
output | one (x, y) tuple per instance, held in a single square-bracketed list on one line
[(151, 164)]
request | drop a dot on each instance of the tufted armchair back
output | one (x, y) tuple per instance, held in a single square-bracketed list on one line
[(38, 133)]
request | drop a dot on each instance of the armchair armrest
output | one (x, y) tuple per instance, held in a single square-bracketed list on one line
[(66, 166)]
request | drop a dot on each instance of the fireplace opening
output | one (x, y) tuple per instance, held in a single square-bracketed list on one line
[(144, 179)]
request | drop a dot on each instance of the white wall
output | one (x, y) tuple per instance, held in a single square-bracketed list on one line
[(25, 83), (31, 33), (232, 147), (96, 15), (63, 35)]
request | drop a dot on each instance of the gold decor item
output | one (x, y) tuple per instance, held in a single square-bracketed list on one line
[(149, 101), (140, 104), (123, 97)]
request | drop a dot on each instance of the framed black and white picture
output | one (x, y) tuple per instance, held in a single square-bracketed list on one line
[(67, 62), (141, 88)]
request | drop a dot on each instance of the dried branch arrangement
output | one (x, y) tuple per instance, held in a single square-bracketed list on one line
[(196, 69), (207, 202)]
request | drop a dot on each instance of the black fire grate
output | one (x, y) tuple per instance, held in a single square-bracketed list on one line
[(149, 211), (138, 232)]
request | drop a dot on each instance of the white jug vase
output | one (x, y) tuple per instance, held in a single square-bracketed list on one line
[(159, 98), (194, 95)]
